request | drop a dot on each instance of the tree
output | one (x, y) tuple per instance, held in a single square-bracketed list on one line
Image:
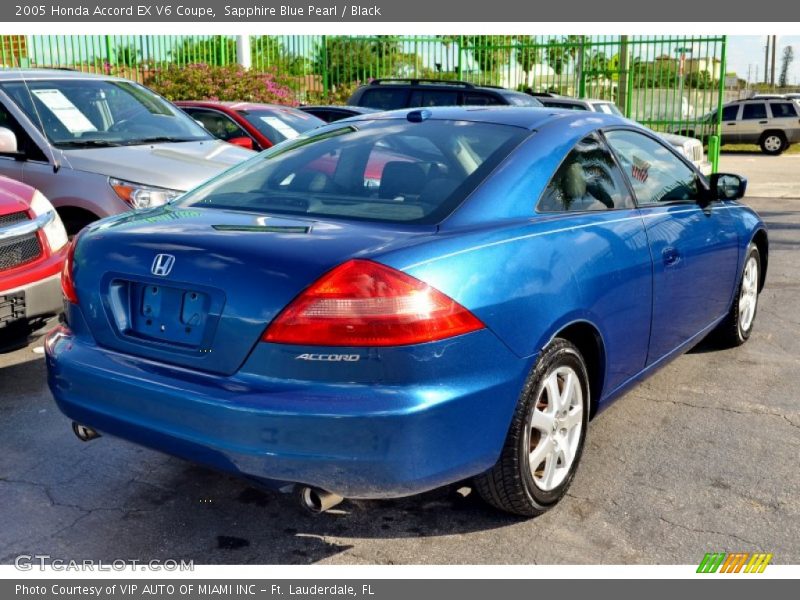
[(269, 51), (127, 55), (560, 52), (215, 50), (786, 61), (528, 55), (700, 80), (348, 59), (491, 53)]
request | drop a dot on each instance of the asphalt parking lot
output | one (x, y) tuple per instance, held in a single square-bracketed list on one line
[(702, 457)]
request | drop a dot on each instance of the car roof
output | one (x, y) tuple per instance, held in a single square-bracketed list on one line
[(348, 108), (36, 74), (234, 105), (527, 117)]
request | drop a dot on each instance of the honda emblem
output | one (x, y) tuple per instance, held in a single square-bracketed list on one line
[(162, 264)]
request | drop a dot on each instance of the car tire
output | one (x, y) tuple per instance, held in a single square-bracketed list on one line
[(735, 330), (548, 428), (773, 143)]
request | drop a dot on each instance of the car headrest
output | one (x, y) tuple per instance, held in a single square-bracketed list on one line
[(400, 178)]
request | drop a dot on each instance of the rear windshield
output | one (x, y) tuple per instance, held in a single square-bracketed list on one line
[(382, 170)]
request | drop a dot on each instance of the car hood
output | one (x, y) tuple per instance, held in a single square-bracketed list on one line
[(14, 196), (178, 166), (677, 140)]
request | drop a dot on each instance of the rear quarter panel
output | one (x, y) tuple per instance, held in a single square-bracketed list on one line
[(527, 280)]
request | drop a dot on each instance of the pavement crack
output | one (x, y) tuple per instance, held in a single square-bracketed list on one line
[(728, 409), (710, 532)]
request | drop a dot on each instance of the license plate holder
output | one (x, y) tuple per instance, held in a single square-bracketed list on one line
[(12, 307), (168, 314)]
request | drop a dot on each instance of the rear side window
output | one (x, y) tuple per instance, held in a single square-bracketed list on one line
[(655, 173), (781, 110), (755, 111), (729, 112), (588, 179), (384, 98), (384, 170)]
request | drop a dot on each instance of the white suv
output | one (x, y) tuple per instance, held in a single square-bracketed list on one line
[(772, 123)]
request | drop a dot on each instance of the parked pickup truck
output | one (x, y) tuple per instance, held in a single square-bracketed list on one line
[(33, 244)]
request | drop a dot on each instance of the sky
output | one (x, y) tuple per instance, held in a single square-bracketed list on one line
[(748, 50)]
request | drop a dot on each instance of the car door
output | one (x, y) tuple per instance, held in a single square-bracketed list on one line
[(753, 122), (694, 249), (730, 124), (602, 233)]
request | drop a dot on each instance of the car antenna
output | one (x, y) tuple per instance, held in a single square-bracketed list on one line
[(56, 163)]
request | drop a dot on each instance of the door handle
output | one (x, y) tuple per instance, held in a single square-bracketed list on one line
[(670, 256), (763, 122)]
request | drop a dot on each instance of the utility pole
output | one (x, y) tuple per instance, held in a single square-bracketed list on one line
[(766, 62), (772, 73)]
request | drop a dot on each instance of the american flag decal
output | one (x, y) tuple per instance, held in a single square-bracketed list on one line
[(640, 169)]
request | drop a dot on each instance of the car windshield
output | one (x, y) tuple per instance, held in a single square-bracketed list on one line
[(76, 113), (279, 124), (383, 170)]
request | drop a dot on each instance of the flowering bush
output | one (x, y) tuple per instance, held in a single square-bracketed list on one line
[(229, 83)]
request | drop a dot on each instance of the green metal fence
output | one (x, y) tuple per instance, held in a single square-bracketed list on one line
[(666, 82)]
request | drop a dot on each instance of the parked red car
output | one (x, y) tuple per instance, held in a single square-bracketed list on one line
[(33, 244), (248, 124)]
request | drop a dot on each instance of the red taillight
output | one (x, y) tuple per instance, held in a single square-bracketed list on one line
[(363, 303), (67, 283)]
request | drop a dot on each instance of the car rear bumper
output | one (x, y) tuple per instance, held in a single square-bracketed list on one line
[(40, 298), (356, 440)]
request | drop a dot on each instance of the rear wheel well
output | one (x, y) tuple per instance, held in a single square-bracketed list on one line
[(75, 218), (780, 133), (761, 242), (588, 341)]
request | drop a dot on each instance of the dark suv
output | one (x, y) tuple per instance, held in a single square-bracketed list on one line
[(390, 94)]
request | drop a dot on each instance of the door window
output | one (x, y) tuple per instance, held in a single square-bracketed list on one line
[(433, 98), (655, 173), (24, 142), (754, 111), (384, 99), (729, 112), (588, 179), (219, 125)]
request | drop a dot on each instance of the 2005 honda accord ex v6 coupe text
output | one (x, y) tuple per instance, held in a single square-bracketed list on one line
[(460, 312)]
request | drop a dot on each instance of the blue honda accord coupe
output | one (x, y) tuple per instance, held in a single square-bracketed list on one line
[(404, 300)]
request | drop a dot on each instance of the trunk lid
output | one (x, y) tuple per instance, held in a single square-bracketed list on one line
[(198, 287)]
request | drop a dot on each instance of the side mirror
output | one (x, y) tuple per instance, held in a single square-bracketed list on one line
[(243, 142), (8, 141), (726, 186)]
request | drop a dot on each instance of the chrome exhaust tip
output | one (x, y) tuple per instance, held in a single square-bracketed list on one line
[(317, 501), (84, 433)]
